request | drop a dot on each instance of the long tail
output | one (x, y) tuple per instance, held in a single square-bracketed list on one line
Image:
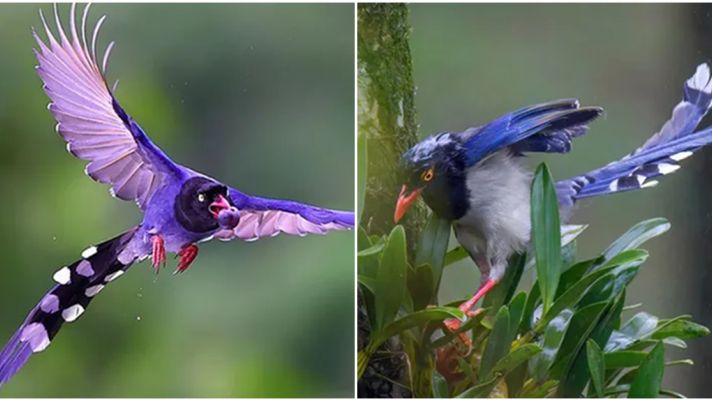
[(660, 155), (77, 284)]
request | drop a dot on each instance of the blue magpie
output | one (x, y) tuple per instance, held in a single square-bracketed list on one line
[(479, 180)]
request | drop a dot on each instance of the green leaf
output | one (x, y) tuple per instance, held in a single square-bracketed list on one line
[(362, 163), (624, 359), (455, 255), (546, 234), (372, 250), (498, 343), (640, 325), (580, 327), (516, 311), (647, 381), (432, 246), (637, 235), (682, 329), (553, 337), (440, 389), (596, 366), (516, 358), (391, 278), (570, 298), (420, 286), (481, 390), (368, 282), (363, 358), (415, 319), (540, 391)]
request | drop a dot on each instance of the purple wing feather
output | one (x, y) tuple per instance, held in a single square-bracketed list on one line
[(262, 217), (90, 119)]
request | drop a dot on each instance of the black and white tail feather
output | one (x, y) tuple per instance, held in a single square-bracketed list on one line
[(659, 155), (76, 285)]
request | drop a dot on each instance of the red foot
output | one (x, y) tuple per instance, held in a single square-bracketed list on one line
[(187, 256), (158, 256), (454, 324)]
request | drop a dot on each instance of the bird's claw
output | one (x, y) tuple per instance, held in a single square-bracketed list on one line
[(158, 255), (187, 256)]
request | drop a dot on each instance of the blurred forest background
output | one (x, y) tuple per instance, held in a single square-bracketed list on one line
[(260, 96), (472, 63)]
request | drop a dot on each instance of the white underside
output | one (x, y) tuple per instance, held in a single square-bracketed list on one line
[(498, 221)]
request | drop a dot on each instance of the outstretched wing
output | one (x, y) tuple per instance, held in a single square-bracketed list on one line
[(90, 119), (546, 127), (262, 217)]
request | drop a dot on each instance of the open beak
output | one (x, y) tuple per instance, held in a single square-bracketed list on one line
[(219, 205), (405, 200)]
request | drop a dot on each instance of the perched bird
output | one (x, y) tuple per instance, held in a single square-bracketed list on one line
[(478, 178), (181, 207)]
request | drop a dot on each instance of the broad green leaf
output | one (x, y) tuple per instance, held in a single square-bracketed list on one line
[(372, 250), (580, 327), (624, 359), (515, 381), (571, 297), (516, 311), (553, 337), (675, 342), (533, 299), (420, 286), (515, 358), (362, 163), (480, 390), (439, 386), (363, 241), (640, 325), (683, 329), (498, 344), (432, 246), (368, 282), (415, 319), (647, 381), (456, 254), (546, 234), (637, 235), (596, 366), (574, 274), (391, 278), (502, 293), (540, 390), (569, 233)]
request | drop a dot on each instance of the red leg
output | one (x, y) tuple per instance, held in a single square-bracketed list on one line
[(454, 324), (158, 256), (187, 256)]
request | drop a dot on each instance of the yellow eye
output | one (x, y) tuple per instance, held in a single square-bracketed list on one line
[(201, 198), (427, 175)]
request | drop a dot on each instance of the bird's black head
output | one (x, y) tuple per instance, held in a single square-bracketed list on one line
[(199, 203), (434, 168)]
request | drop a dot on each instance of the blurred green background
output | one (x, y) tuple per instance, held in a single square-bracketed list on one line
[(474, 62), (260, 96)]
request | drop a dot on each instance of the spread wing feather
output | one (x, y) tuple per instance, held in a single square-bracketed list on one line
[(90, 119), (262, 217)]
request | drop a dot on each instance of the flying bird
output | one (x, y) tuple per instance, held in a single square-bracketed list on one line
[(181, 207), (479, 181)]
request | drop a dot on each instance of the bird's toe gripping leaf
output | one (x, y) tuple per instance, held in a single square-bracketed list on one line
[(158, 255), (187, 256)]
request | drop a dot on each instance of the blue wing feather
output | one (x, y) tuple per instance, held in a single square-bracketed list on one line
[(660, 155), (546, 127)]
